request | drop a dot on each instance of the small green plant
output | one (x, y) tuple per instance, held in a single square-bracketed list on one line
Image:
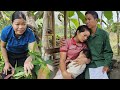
[(1, 62), (38, 63), (19, 74)]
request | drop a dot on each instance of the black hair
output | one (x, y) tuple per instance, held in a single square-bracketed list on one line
[(18, 15), (87, 52), (82, 28), (93, 13)]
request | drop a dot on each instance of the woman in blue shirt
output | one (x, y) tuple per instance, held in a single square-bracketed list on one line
[(16, 40)]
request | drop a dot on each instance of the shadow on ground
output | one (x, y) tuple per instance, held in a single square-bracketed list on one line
[(115, 72)]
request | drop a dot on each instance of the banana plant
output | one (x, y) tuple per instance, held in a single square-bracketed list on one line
[(81, 16), (108, 14), (72, 19), (5, 18)]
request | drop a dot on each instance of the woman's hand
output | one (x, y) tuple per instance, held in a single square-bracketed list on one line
[(66, 75), (28, 66), (105, 69), (81, 61), (8, 67)]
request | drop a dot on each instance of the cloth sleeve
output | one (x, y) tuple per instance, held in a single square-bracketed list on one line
[(108, 53), (31, 37), (65, 47)]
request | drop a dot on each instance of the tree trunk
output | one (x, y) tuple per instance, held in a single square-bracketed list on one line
[(1, 15), (53, 30), (31, 23), (118, 32), (30, 19), (48, 30)]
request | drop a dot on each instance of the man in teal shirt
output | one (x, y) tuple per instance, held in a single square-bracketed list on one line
[(99, 45)]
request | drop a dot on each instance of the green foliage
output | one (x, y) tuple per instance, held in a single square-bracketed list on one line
[(108, 14), (19, 74), (38, 14), (99, 25), (38, 63), (6, 19), (1, 62), (103, 22), (57, 37), (75, 21), (70, 13), (81, 16), (114, 27)]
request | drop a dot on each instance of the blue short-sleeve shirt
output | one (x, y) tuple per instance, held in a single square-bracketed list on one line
[(14, 44)]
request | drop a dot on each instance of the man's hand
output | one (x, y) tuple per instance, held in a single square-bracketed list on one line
[(81, 61), (62, 42), (105, 69)]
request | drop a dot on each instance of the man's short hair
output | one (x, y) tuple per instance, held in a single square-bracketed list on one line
[(93, 13)]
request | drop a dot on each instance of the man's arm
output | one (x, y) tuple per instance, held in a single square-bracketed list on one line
[(108, 53)]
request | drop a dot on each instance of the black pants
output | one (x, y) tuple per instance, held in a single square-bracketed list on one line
[(81, 76), (16, 60)]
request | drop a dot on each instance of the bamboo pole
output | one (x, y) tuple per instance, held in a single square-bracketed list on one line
[(118, 51), (65, 24), (70, 29), (53, 29)]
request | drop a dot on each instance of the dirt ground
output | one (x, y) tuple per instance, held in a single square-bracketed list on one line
[(115, 72)]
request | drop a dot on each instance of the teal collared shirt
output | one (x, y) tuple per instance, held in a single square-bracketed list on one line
[(99, 45)]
